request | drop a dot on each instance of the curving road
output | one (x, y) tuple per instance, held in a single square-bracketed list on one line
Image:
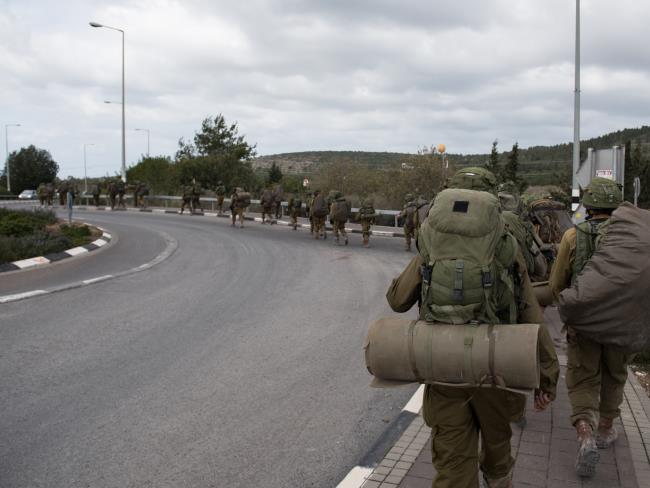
[(236, 362)]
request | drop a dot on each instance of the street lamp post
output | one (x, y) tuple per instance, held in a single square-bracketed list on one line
[(7, 154), (95, 24), (85, 172), (147, 131)]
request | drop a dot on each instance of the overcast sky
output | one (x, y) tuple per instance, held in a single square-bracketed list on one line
[(297, 75)]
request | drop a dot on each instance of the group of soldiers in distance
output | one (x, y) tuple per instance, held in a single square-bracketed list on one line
[(115, 191)]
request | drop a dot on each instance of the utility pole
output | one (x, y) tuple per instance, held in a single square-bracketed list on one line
[(575, 187)]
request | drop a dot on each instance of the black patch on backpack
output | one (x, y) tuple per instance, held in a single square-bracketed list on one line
[(461, 206)]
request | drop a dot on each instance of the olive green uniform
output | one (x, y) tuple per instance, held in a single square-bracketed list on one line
[(221, 194), (294, 206), (237, 210), (409, 227), (456, 415), (365, 217), (596, 374)]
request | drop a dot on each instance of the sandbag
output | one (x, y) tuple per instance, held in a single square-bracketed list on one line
[(403, 350), (608, 302)]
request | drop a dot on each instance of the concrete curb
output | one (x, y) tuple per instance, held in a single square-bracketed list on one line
[(171, 245), (104, 240)]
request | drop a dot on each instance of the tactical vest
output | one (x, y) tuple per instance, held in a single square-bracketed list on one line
[(469, 256), (589, 235)]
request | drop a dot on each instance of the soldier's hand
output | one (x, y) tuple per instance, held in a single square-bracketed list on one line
[(542, 400)]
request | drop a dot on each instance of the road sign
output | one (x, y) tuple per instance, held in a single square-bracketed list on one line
[(605, 173), (637, 189)]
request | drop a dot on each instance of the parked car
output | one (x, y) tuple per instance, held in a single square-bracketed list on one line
[(28, 195)]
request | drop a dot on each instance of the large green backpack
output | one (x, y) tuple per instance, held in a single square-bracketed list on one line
[(589, 235), (518, 229), (469, 259)]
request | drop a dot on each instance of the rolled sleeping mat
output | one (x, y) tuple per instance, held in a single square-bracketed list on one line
[(543, 293), (405, 351)]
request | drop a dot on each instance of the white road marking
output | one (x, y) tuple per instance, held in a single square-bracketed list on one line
[(355, 477), (99, 242), (76, 251), (95, 280), (107, 235), (415, 403), (28, 263), (20, 296)]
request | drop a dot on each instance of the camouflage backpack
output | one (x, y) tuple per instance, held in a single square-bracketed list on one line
[(319, 206), (340, 210), (589, 236), (469, 259), (409, 214)]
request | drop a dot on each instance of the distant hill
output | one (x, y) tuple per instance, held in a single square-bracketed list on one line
[(537, 163)]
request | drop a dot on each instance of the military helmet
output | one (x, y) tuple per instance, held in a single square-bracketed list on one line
[(602, 193), (511, 201), (474, 178), (408, 197)]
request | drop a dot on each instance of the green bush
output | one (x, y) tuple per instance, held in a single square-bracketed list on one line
[(77, 235), (18, 223), (37, 244)]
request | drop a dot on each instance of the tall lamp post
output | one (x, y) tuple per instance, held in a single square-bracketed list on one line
[(147, 131), (7, 154), (85, 172), (95, 24)]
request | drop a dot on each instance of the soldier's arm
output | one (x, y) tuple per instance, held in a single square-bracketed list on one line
[(563, 267), (404, 291), (531, 313)]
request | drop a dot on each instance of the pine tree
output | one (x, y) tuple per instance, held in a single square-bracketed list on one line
[(493, 162), (511, 169)]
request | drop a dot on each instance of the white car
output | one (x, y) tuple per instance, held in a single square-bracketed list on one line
[(28, 195)]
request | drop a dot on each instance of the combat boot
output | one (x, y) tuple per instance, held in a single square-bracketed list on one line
[(606, 434), (505, 482), (588, 455)]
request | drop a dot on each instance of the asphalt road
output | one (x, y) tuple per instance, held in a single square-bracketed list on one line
[(236, 362)]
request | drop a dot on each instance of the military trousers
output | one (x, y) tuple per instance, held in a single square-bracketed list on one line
[(457, 416), (339, 227), (267, 213), (294, 218), (319, 226), (238, 212), (409, 234), (220, 199), (365, 229), (595, 378)]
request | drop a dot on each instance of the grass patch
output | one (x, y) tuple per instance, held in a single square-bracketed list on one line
[(29, 233)]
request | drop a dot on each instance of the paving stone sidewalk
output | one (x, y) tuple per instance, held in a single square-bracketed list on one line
[(544, 449)]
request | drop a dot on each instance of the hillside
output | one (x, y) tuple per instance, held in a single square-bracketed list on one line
[(539, 164)]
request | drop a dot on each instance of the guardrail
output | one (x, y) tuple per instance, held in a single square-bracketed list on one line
[(175, 201)]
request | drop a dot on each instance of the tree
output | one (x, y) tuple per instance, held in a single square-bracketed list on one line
[(30, 167), (160, 173), (275, 174), (216, 138), (493, 163), (511, 169)]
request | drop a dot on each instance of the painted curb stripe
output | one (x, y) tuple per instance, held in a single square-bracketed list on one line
[(28, 263), (90, 247), (21, 296), (415, 403), (8, 267), (76, 251), (355, 478), (106, 235), (99, 242), (57, 256)]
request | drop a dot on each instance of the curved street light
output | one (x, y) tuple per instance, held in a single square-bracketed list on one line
[(96, 24), (147, 131)]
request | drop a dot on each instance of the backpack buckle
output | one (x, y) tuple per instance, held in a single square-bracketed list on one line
[(486, 279)]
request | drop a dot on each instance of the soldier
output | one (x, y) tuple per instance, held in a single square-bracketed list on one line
[(308, 210), (63, 191), (221, 195), (319, 211), (596, 374), (238, 203), (267, 201), (42, 194), (294, 207), (339, 214), (278, 195), (408, 219), (187, 198), (197, 191), (366, 217), (136, 194), (422, 205), (457, 415), (95, 192)]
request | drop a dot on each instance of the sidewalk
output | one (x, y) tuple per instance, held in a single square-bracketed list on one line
[(545, 449)]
